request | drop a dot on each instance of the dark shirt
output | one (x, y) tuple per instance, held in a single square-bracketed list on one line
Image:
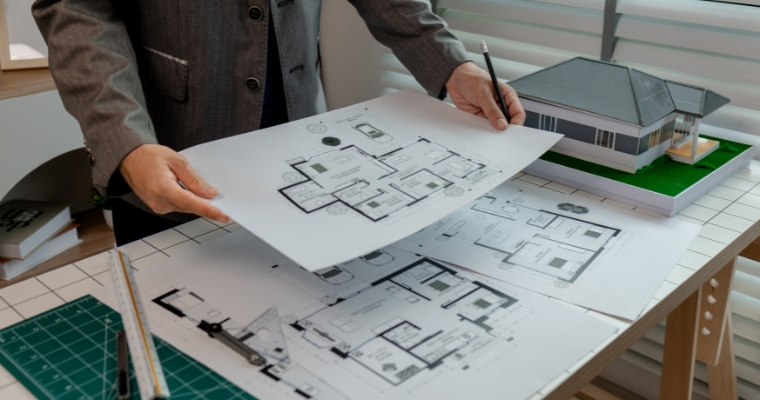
[(275, 109)]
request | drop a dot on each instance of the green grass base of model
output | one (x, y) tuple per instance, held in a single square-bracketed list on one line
[(664, 175)]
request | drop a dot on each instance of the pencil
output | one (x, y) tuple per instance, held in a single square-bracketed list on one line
[(495, 81), (122, 365)]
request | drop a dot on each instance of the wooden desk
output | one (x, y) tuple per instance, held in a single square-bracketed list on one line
[(730, 207), (25, 82)]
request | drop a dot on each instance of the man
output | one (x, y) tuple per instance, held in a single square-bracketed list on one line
[(148, 78)]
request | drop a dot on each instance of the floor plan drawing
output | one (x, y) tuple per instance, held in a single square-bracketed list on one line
[(185, 304), (329, 188), (392, 173), (263, 335), (410, 328), (439, 318), (557, 245), (586, 253)]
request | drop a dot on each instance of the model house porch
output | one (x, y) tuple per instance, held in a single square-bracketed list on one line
[(692, 151), (687, 147)]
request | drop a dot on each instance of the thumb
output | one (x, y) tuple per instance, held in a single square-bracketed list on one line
[(492, 111), (190, 179)]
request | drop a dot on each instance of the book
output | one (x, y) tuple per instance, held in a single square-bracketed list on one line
[(25, 225), (63, 240)]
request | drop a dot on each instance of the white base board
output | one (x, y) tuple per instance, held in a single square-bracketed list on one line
[(634, 196)]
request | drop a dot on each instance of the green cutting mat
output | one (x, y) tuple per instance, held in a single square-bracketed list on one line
[(70, 353)]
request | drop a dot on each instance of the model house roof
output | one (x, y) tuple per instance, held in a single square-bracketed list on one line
[(694, 100), (616, 91)]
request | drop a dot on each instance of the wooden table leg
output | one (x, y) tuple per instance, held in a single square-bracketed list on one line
[(700, 329), (715, 339), (680, 350), (722, 376)]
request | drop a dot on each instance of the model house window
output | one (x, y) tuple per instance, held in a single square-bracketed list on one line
[(576, 131), (667, 131), (548, 123), (605, 138), (532, 119), (626, 144), (654, 138)]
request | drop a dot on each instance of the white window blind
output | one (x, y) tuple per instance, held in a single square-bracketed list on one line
[(706, 43)]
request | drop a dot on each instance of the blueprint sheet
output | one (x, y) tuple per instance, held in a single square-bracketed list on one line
[(588, 253), (330, 188), (389, 325)]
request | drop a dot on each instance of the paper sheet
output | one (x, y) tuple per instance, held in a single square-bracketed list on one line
[(588, 253), (391, 325), (330, 188)]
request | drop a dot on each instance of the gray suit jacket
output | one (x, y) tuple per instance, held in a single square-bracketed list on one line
[(181, 72)]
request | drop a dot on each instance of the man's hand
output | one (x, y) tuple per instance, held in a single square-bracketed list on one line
[(471, 90), (153, 172)]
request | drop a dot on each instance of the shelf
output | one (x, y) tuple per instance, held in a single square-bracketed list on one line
[(24, 82), (96, 237)]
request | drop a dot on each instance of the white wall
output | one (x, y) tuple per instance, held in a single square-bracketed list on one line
[(352, 69), (41, 152), (21, 25), (35, 129)]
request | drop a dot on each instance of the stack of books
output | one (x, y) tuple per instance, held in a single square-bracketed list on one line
[(31, 232)]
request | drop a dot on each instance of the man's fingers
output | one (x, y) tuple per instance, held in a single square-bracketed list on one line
[(152, 171), (491, 110), (190, 179), (515, 108), (186, 202), (518, 118)]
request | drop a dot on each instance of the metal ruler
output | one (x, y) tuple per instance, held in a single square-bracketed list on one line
[(142, 350)]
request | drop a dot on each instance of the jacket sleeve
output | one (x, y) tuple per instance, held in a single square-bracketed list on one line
[(417, 36), (94, 68)]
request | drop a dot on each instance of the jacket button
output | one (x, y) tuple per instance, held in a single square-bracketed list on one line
[(255, 13), (253, 84), (90, 158)]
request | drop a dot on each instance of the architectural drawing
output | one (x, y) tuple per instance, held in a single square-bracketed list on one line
[(263, 334), (437, 317), (440, 318), (408, 329), (586, 253), (345, 183), (395, 172), (557, 245)]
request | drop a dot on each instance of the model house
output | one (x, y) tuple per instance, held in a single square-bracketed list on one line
[(617, 116)]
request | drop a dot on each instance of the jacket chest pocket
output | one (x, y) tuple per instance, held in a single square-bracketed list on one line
[(164, 73)]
